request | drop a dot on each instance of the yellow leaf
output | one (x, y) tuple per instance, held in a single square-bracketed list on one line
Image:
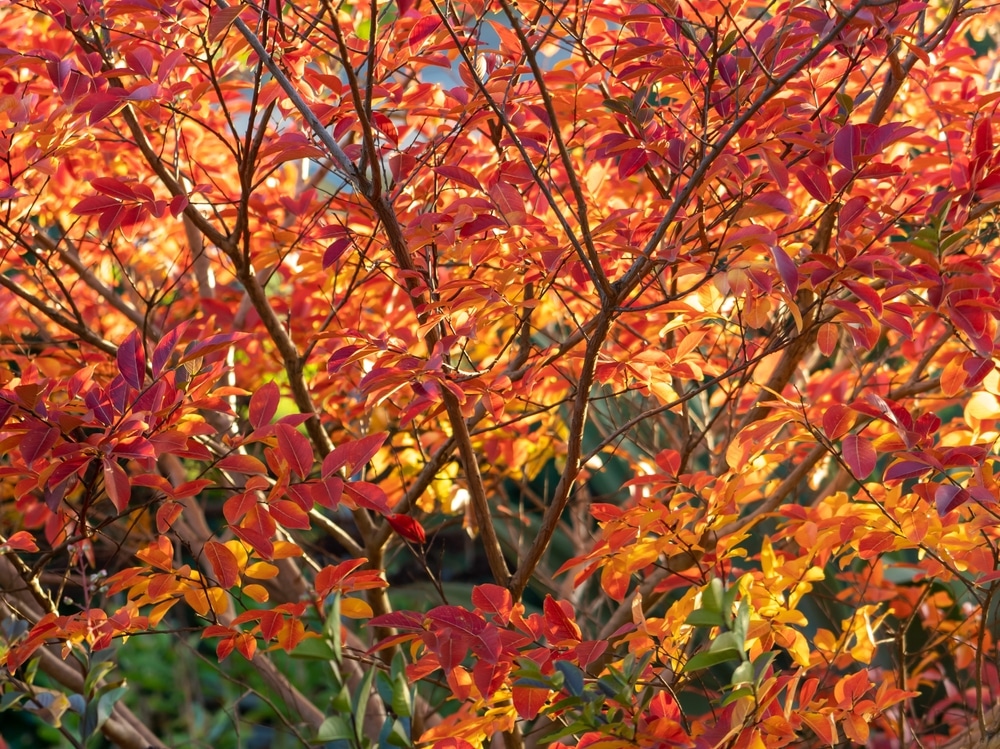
[(981, 406), (236, 546), (197, 600), (261, 571), (286, 549), (355, 608), (218, 599), (160, 610), (767, 558), (795, 643), (256, 592)]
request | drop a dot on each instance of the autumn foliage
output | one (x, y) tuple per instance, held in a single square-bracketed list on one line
[(674, 323)]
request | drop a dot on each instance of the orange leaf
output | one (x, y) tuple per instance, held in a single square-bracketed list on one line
[(529, 701), (256, 592), (224, 564), (20, 541)]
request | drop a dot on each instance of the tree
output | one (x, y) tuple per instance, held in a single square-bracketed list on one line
[(677, 319)]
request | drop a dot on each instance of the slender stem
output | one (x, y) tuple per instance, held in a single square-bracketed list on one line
[(574, 449)]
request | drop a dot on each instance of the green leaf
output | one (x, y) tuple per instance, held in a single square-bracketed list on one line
[(705, 618), (846, 103), (399, 735), (335, 727), (383, 685), (106, 703), (77, 703), (760, 664), (741, 625), (711, 597), (726, 641), (341, 702), (743, 674), (701, 661), (728, 601), (331, 628), (529, 682), (577, 726), (10, 699), (737, 694), (607, 687), (402, 697), (397, 669), (315, 649), (360, 703), (573, 676)]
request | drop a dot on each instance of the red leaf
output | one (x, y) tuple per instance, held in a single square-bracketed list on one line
[(295, 449), (246, 644), (457, 618), (787, 269), (166, 345), (976, 370), (116, 484), (289, 514), (949, 496), (220, 20), (21, 541), (460, 175), (559, 626), (333, 575), (529, 701), (167, 513), (37, 441), (837, 421), (327, 493), (589, 651), (368, 496), (451, 649), (816, 183), (631, 161), (452, 743), (510, 203), (225, 647), (905, 470), (257, 531), (246, 464), (335, 250), (210, 345), (353, 454), (132, 360), (847, 145), (94, 205), (859, 455), (851, 211), (111, 219), (407, 528), (489, 676), (827, 338), (224, 564), (237, 506), (983, 140), (423, 29), (481, 223), (141, 61), (493, 599), (866, 294), (116, 188), (177, 205)]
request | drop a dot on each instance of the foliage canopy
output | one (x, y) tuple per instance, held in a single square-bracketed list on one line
[(677, 319)]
